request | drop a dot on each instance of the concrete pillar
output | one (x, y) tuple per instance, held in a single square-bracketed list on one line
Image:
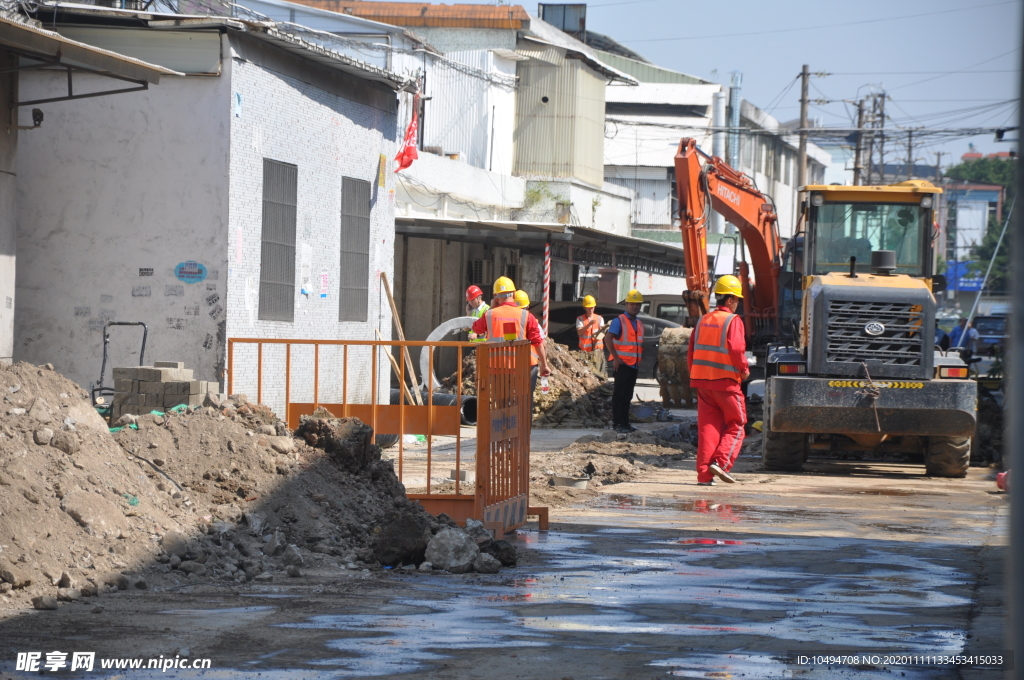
[(8, 205)]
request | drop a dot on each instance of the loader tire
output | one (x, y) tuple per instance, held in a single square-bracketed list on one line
[(783, 450), (947, 456)]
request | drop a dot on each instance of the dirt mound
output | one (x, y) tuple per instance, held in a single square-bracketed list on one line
[(608, 459), (211, 494), (576, 396)]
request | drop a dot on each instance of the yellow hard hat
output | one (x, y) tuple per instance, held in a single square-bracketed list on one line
[(503, 284), (728, 285), (522, 299), (589, 301), (634, 296)]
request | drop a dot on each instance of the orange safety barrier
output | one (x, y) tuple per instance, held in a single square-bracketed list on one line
[(500, 495)]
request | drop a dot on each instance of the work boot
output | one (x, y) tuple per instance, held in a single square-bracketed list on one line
[(711, 483), (721, 474)]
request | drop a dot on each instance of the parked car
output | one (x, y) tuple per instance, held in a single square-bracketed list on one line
[(562, 329), (668, 307), (992, 332)]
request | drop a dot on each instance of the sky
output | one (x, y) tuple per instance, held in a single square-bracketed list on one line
[(944, 63)]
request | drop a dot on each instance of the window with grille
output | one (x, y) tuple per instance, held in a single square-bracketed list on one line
[(476, 272), (277, 253), (354, 279)]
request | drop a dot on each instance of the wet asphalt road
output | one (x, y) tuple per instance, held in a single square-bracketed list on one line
[(658, 579)]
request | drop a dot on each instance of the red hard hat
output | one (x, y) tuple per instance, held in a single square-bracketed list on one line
[(473, 292)]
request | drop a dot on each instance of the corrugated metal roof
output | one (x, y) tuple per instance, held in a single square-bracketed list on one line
[(676, 94), (647, 73), (269, 31), (29, 38), (412, 14)]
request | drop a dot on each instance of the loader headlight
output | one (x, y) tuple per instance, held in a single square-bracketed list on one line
[(926, 202), (817, 200)]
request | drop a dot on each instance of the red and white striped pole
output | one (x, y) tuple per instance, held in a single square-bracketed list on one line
[(547, 284)]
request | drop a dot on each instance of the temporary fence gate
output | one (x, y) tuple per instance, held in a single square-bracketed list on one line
[(500, 495)]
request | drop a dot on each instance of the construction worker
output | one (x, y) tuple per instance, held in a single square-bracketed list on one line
[(588, 326), (522, 299), (625, 349), (492, 326), (718, 365), (475, 307)]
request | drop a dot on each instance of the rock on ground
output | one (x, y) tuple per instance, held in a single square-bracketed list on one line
[(405, 533), (452, 550), (485, 564)]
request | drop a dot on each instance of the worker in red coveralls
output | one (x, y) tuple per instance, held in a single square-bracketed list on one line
[(491, 326), (718, 364)]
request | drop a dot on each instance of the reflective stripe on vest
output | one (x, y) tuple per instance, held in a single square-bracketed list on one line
[(710, 348), (629, 346), (476, 314), (587, 341), (496, 319)]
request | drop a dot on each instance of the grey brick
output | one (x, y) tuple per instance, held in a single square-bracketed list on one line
[(124, 385), (152, 387), (121, 398), (172, 400), (148, 373), (125, 374), (168, 364)]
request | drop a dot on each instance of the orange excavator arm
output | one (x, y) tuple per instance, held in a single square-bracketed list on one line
[(714, 185)]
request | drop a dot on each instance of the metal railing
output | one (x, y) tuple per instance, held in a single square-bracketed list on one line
[(499, 494)]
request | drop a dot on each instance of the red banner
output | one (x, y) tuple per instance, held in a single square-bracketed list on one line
[(407, 154)]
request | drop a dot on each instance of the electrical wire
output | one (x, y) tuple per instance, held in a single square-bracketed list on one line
[(776, 31)]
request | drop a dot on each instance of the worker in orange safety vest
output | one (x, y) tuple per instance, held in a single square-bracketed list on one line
[(588, 327), (718, 365), (492, 326), (625, 349)]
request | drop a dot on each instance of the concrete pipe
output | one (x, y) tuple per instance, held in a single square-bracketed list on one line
[(450, 326), (467, 410)]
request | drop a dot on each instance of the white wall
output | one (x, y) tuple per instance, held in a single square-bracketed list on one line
[(112, 189), (435, 186), (328, 136), (469, 114), (461, 39)]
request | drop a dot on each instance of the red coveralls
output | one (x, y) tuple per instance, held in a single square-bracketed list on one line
[(721, 408)]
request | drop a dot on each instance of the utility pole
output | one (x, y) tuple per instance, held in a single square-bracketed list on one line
[(881, 139), (734, 119), (938, 167), (801, 162), (858, 154), (910, 154)]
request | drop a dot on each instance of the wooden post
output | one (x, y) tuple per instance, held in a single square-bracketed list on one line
[(401, 336)]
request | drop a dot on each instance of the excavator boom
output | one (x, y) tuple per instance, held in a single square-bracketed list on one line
[(714, 185)]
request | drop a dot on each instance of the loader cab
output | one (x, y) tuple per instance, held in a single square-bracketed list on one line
[(791, 290), (854, 222)]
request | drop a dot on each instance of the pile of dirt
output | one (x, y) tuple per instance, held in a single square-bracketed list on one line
[(215, 493), (576, 397), (609, 458)]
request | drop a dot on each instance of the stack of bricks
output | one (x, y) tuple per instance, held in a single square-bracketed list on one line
[(162, 386)]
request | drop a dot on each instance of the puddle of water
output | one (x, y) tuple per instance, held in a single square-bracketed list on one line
[(766, 667), (213, 612), (732, 512)]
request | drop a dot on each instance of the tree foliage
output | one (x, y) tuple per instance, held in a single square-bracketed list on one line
[(1003, 172)]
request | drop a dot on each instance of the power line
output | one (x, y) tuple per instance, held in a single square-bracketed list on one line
[(775, 31), (916, 73), (927, 80)]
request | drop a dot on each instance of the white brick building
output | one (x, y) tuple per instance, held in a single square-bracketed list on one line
[(250, 197)]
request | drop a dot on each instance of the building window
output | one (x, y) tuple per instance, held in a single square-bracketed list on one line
[(277, 256), (354, 279)]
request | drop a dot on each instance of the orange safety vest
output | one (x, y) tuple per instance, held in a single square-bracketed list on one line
[(629, 346), (710, 352), (587, 342), (498, 316)]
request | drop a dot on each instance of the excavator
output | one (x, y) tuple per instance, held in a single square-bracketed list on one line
[(841, 317)]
